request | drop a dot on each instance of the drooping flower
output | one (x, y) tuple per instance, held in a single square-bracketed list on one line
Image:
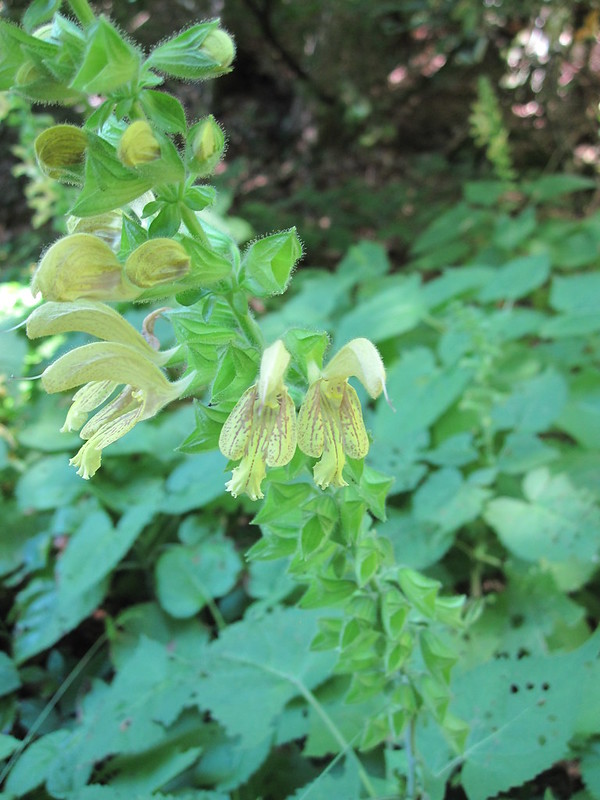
[(261, 429), (330, 421), (94, 318), (123, 359), (101, 367)]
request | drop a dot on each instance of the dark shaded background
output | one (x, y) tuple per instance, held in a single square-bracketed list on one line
[(351, 117)]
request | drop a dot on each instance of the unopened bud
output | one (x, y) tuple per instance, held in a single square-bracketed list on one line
[(60, 151), (105, 226), (39, 85), (81, 265), (220, 46), (157, 261), (207, 145), (138, 145)]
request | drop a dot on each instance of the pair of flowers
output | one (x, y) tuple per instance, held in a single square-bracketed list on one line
[(262, 430)]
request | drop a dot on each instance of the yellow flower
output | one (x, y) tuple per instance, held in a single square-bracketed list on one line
[(138, 145), (95, 319), (330, 421), (81, 265), (102, 367), (261, 429)]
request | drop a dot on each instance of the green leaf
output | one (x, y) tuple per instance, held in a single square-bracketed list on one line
[(140, 776), (165, 111), (97, 547), (9, 677), (271, 656), (205, 436), (109, 60), (548, 187), (8, 745), (33, 766), (186, 577), (335, 782), (510, 232), (527, 618), (454, 282), (581, 415), (447, 501), (419, 589), (556, 523), (108, 184), (533, 405), (166, 223), (150, 621), (48, 483), (522, 715), (195, 482), (395, 309), (267, 264), (576, 293), (523, 452), (421, 392), (45, 614), (517, 278), (17, 48), (208, 266)]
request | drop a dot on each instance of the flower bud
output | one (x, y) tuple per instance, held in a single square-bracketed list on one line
[(220, 46), (138, 145), (81, 265), (38, 85), (157, 261), (60, 151), (207, 145), (105, 226)]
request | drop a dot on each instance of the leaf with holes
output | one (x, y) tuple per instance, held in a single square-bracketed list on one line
[(522, 715)]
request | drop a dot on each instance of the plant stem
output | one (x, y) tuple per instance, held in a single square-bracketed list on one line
[(409, 742), (246, 321), (71, 677), (192, 223), (216, 613), (83, 12), (338, 736)]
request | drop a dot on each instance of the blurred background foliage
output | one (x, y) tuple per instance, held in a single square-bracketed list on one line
[(357, 118)]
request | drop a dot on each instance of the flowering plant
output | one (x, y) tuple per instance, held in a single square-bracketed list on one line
[(138, 233)]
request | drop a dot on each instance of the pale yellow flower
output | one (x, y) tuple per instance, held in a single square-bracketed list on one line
[(261, 429), (330, 421), (102, 367)]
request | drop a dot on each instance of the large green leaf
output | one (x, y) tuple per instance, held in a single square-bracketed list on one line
[(97, 547), (522, 715), (188, 577), (397, 308), (557, 522)]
